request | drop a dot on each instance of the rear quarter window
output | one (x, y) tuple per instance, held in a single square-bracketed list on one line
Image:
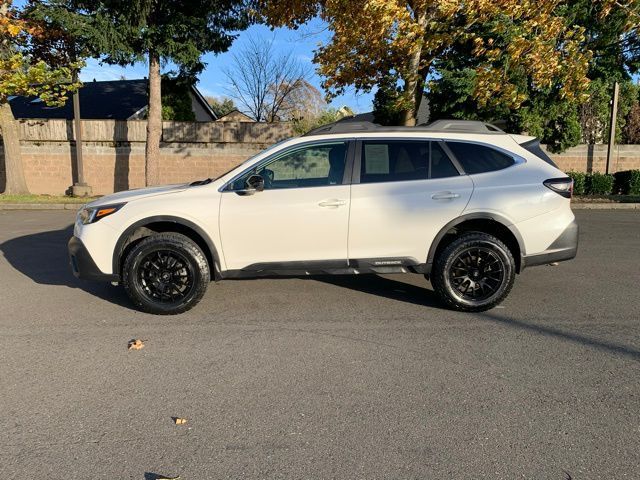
[(476, 158)]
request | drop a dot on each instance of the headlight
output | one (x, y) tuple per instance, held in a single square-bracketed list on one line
[(93, 214)]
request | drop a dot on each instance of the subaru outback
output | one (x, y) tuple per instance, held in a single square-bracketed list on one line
[(462, 203)]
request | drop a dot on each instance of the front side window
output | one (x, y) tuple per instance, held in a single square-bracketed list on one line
[(304, 166), (476, 158)]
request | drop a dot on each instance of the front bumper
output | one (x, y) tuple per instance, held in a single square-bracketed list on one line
[(565, 247), (83, 265)]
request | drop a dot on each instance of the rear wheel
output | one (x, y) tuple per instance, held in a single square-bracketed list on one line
[(473, 273), (166, 274)]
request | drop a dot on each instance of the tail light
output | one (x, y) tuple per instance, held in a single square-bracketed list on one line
[(562, 186)]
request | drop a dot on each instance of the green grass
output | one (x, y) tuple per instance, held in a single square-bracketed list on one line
[(44, 199)]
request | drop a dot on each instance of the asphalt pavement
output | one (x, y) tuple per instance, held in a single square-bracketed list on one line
[(329, 377)]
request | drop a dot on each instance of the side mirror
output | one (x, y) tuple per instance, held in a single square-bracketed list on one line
[(255, 182)]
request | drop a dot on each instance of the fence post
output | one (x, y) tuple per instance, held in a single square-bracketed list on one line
[(612, 124)]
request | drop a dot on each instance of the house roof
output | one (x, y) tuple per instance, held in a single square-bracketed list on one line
[(236, 115), (113, 100)]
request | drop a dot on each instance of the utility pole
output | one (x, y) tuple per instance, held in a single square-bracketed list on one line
[(612, 124)]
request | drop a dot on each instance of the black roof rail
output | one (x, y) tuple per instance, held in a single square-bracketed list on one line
[(347, 125), (463, 126), (343, 127)]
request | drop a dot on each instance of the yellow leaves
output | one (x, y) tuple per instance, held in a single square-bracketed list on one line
[(523, 39)]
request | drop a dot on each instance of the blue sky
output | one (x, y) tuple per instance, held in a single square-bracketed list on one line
[(212, 81)]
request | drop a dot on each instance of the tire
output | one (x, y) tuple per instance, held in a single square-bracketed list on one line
[(165, 274), (473, 273)]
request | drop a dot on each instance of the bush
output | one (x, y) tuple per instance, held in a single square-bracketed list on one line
[(598, 184), (578, 182), (627, 182)]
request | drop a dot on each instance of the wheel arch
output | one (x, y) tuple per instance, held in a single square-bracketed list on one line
[(491, 223), (164, 223)]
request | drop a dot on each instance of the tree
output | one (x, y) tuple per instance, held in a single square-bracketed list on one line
[(162, 31), (560, 121), (264, 83), (24, 73), (330, 115), (375, 38), (176, 99), (221, 106)]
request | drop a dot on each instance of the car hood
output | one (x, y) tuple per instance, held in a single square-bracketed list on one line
[(129, 195)]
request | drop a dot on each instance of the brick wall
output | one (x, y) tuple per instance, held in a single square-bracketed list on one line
[(114, 153), (593, 158)]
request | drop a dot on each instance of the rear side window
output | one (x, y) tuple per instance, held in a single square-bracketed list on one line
[(476, 158), (401, 160), (393, 161), (441, 166)]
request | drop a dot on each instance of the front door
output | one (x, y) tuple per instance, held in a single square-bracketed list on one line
[(302, 214)]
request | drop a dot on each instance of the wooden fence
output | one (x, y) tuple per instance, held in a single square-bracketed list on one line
[(172, 132)]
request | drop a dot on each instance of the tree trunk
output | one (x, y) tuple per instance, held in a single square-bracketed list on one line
[(154, 122), (16, 183), (414, 84)]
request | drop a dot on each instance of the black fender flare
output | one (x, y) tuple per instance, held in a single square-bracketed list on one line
[(474, 216), (121, 243)]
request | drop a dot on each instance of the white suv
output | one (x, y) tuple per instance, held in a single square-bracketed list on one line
[(462, 203)]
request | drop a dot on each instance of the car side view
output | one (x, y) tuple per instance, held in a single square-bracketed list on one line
[(462, 203)]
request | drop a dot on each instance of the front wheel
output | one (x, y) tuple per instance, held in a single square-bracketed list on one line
[(473, 273), (165, 274)]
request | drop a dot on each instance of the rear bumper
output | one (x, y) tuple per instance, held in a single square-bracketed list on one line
[(83, 265), (565, 247)]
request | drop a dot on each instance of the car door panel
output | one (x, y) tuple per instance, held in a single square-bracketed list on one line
[(400, 219), (290, 221)]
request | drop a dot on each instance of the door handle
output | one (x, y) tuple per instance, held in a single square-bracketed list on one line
[(445, 196), (333, 203)]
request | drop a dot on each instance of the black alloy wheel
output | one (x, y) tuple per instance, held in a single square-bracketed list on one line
[(473, 273), (165, 274)]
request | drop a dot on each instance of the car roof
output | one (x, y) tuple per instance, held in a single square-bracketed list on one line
[(439, 126)]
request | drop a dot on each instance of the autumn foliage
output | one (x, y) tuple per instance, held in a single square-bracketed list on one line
[(373, 39)]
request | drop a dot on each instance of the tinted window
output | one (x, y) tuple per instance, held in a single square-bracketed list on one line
[(476, 158), (393, 161), (441, 166), (307, 166)]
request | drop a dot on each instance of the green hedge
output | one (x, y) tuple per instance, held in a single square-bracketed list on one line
[(591, 183), (579, 179), (627, 182), (598, 184)]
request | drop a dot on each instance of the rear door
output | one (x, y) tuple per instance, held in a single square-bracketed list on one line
[(404, 191)]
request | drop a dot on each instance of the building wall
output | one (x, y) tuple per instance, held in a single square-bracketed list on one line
[(114, 153)]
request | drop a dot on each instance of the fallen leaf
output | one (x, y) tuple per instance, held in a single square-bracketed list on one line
[(180, 421), (135, 344)]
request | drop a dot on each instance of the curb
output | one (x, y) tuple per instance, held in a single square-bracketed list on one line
[(40, 206), (605, 206)]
